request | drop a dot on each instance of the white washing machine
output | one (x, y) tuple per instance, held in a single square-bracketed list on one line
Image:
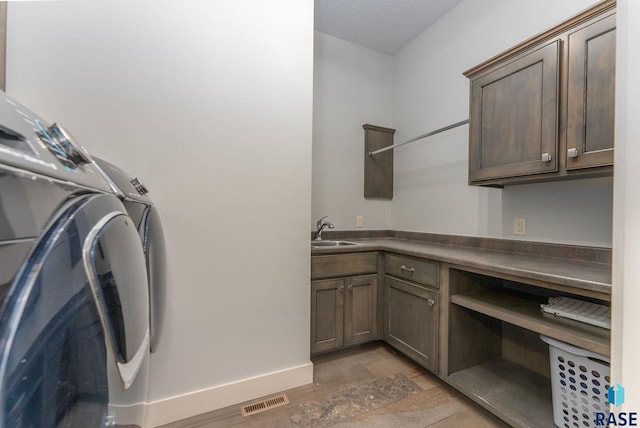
[(74, 299)]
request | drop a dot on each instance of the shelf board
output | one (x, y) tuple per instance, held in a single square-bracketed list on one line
[(514, 393), (527, 314)]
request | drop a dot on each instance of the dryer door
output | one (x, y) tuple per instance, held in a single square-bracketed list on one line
[(115, 262), (152, 235)]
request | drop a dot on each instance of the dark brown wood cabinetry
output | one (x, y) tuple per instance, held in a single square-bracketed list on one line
[(378, 170), (411, 318), (544, 110), (469, 314), (327, 315), (514, 111), (591, 95), (360, 310), (495, 354), (343, 310), (411, 308)]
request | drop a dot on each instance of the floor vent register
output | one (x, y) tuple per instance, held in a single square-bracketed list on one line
[(264, 405)]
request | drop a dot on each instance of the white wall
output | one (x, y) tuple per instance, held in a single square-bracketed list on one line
[(210, 103), (352, 86), (431, 191), (626, 239), (428, 90)]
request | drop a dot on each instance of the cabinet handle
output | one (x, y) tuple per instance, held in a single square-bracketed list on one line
[(572, 153), (403, 267), (349, 287), (546, 157), (431, 302), (341, 289)]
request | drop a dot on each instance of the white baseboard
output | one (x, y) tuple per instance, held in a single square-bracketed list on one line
[(195, 403)]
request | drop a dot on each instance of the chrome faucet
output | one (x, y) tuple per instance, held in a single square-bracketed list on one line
[(320, 225)]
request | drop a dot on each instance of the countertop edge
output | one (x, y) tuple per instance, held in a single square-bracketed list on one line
[(557, 271)]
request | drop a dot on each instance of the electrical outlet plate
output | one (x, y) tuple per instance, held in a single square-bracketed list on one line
[(519, 226), (359, 221)]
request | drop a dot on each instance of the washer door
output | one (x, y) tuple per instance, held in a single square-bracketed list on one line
[(74, 330), (53, 357)]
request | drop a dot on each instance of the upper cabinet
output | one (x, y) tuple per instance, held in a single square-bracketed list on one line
[(544, 110), (514, 117), (591, 94)]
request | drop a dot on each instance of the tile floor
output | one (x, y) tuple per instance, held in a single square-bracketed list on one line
[(372, 386)]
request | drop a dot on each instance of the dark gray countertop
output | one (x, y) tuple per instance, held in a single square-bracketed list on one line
[(569, 272)]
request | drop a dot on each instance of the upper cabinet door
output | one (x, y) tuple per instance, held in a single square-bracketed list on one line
[(544, 110), (514, 117), (591, 95)]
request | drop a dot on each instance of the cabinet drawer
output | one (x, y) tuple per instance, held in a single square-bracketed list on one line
[(418, 270), (343, 265)]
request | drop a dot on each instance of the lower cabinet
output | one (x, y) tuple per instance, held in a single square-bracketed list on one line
[(496, 357), (346, 305), (490, 325), (411, 320), (343, 312)]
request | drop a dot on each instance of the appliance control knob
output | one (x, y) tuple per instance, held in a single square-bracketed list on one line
[(137, 184), (75, 152), (53, 145)]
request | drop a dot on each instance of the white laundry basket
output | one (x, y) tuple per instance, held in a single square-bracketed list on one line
[(579, 384)]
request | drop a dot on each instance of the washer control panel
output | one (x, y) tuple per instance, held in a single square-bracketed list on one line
[(62, 145)]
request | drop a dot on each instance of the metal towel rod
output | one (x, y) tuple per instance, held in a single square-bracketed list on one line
[(420, 137)]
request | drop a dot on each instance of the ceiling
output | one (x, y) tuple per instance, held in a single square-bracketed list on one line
[(382, 25)]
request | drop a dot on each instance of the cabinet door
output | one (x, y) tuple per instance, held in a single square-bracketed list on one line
[(327, 315), (513, 128), (360, 309), (591, 95), (411, 321)]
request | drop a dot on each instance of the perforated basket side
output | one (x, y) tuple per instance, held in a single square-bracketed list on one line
[(579, 384)]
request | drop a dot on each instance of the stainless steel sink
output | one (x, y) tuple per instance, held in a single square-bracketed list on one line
[(330, 243)]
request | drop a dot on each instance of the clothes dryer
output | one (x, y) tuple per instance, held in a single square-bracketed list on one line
[(134, 196), (74, 303)]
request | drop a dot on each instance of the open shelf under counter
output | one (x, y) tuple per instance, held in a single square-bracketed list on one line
[(527, 314), (516, 394), (495, 354)]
